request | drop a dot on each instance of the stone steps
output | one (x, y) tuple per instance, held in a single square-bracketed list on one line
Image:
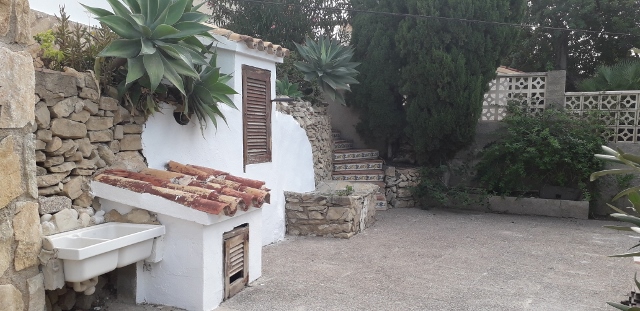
[(357, 165), (341, 144)]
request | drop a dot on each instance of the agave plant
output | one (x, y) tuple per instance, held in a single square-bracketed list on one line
[(204, 94), (285, 88), (158, 41), (328, 62), (632, 194)]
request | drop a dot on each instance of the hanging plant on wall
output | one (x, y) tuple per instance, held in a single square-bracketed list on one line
[(329, 63), (159, 52)]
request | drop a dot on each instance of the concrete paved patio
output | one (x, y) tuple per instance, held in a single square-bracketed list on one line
[(413, 259)]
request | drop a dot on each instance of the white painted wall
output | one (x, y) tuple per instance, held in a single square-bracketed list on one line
[(190, 274), (291, 168)]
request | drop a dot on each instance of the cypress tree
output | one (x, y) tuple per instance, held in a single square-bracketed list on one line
[(448, 65), (378, 97)]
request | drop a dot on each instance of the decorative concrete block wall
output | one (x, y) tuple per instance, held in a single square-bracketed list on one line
[(317, 123), (330, 210), (399, 182)]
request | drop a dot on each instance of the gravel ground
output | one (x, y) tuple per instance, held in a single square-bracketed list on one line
[(414, 259)]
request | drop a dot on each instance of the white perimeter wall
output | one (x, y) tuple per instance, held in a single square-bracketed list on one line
[(291, 168)]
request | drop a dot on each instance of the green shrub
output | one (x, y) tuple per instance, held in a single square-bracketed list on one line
[(433, 188), (624, 75), (553, 147), (74, 45), (287, 70), (160, 58), (286, 88), (52, 57)]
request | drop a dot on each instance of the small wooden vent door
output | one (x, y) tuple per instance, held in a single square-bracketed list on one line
[(236, 261), (256, 110)]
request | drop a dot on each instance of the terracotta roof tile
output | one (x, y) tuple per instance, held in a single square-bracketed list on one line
[(252, 43), (201, 188)]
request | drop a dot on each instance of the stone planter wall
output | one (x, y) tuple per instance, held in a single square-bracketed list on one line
[(399, 182), (317, 123), (328, 212), (77, 133)]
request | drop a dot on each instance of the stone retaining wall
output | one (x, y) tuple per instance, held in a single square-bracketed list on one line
[(77, 133), (330, 211), (21, 282), (317, 123), (399, 182)]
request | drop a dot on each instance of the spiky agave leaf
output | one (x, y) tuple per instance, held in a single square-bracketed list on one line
[(158, 40), (206, 93), (328, 62)]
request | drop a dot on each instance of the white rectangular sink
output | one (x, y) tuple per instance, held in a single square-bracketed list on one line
[(92, 251)]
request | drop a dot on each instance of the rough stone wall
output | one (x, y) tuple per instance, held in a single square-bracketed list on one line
[(15, 22), (21, 283), (327, 212), (317, 123), (399, 182), (78, 132)]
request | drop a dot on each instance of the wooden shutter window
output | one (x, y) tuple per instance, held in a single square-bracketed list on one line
[(256, 111)]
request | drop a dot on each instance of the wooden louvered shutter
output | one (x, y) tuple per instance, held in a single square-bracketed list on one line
[(236, 261), (256, 110)]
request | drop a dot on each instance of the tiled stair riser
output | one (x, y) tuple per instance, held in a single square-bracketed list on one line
[(343, 145), (355, 155), (356, 166), (372, 178)]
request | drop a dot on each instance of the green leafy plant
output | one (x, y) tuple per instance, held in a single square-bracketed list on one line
[(329, 63), (285, 88), (348, 190), (624, 75), (51, 56), (433, 189), (287, 70), (73, 45), (632, 163), (624, 181), (204, 94), (160, 52), (553, 147)]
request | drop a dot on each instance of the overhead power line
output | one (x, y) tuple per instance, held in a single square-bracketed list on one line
[(446, 18)]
